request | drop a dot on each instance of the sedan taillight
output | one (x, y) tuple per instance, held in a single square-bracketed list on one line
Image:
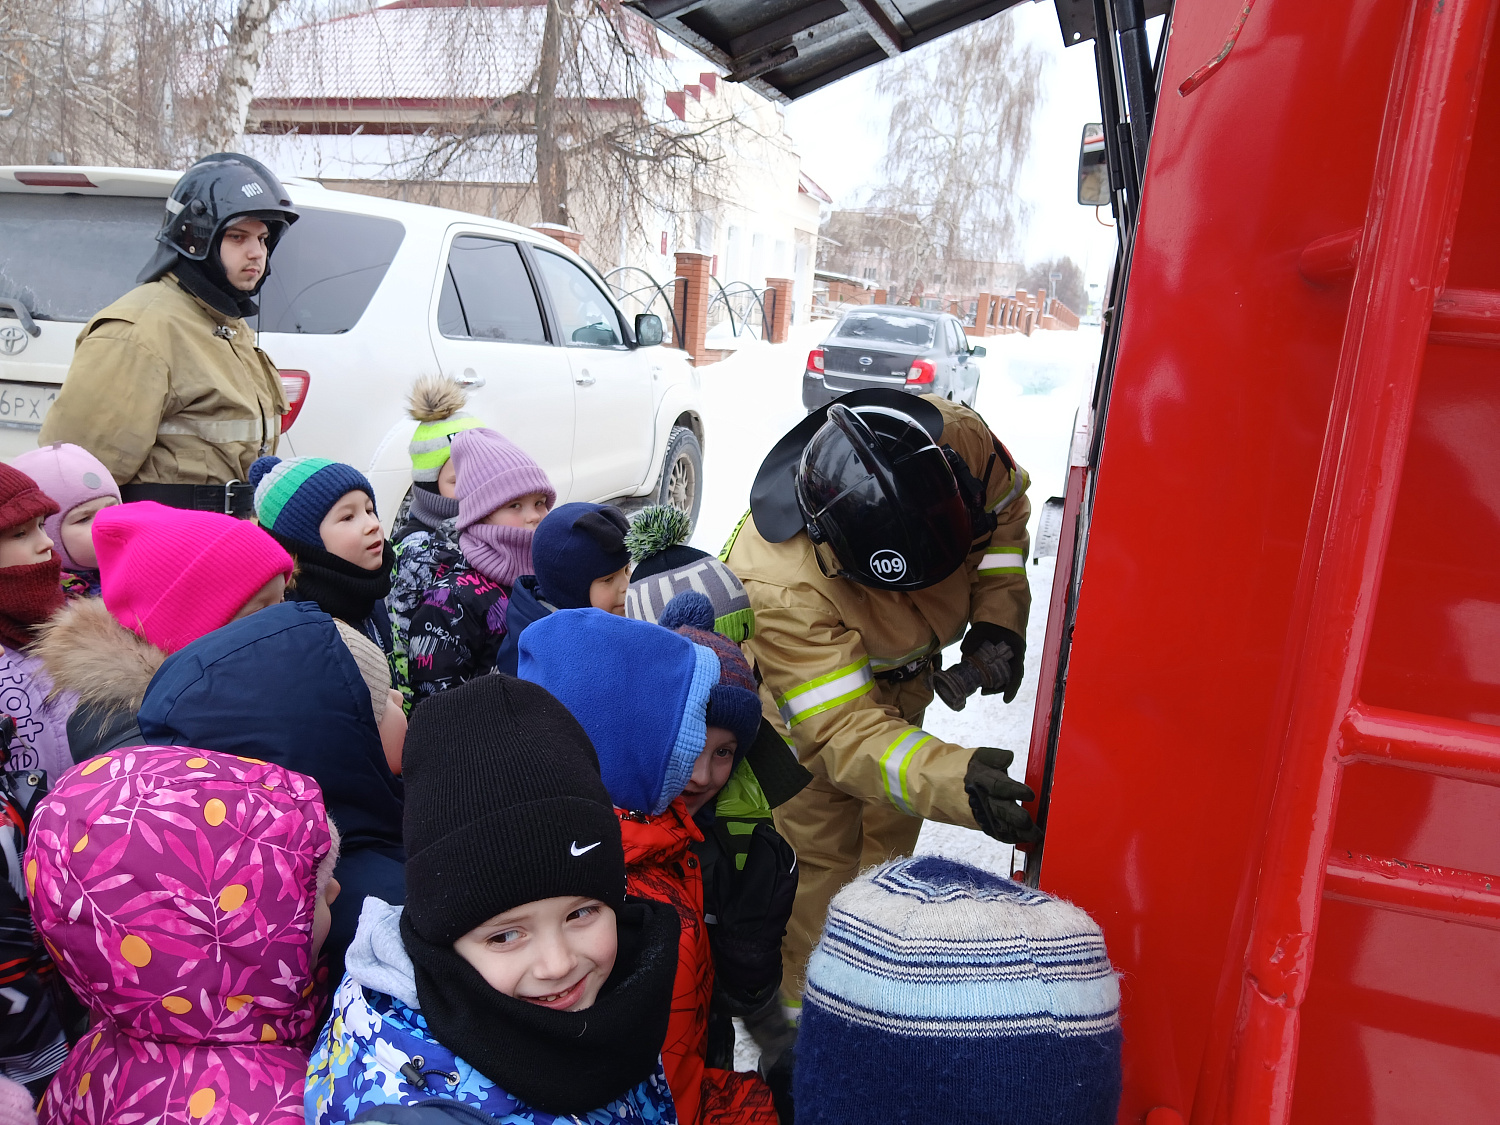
[(815, 360), (922, 371), (295, 384)]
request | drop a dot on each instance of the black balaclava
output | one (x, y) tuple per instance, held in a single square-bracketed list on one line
[(207, 280)]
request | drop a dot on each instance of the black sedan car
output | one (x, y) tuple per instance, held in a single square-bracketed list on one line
[(916, 350)]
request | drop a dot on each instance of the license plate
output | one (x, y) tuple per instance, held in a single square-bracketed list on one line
[(25, 405)]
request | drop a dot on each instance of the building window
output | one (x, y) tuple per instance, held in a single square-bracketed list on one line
[(869, 273)]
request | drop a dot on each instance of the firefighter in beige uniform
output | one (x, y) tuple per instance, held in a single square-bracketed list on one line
[(876, 537), (167, 387)]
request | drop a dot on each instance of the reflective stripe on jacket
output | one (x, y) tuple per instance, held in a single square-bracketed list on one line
[(821, 643), (165, 390)]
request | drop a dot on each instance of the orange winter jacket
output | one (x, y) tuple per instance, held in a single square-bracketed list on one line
[(660, 865)]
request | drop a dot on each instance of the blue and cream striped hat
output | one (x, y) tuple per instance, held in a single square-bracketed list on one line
[(293, 496), (942, 993)]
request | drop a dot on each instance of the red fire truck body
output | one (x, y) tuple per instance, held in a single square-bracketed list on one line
[(1276, 776)]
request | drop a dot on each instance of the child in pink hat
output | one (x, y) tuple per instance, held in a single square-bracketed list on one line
[(169, 575), (82, 488), (449, 595)]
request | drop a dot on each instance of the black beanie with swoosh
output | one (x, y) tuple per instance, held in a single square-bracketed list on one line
[(504, 806)]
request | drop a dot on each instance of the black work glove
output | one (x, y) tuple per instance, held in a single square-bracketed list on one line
[(999, 655), (747, 912), (993, 795)]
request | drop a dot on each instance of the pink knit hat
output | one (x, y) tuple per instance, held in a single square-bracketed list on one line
[(170, 575), (71, 475), (490, 472)]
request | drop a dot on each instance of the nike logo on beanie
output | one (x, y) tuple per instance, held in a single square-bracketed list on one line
[(577, 851)]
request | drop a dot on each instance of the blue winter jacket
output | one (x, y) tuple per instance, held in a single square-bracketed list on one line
[(280, 685), (377, 1028), (526, 606)]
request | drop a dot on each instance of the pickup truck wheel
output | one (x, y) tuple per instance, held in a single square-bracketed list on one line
[(682, 473)]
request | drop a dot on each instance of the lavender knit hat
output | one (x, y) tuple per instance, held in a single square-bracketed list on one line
[(492, 471)]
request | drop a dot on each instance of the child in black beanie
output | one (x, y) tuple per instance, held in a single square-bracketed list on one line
[(518, 979)]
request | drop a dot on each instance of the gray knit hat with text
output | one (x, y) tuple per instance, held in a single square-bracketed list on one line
[(666, 566)]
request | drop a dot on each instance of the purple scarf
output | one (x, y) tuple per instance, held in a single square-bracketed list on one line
[(501, 554)]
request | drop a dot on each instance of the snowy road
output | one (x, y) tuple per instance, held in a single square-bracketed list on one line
[(1029, 392)]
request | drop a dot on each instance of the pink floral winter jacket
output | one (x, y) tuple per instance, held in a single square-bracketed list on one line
[(175, 888)]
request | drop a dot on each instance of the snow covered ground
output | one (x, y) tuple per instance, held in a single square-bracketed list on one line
[(1029, 392)]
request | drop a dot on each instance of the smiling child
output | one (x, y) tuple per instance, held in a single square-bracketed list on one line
[(519, 979)]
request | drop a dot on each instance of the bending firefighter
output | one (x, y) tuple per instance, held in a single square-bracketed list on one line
[(881, 529), (167, 387)]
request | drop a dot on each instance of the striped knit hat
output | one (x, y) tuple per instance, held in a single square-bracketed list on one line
[(293, 496), (436, 402), (665, 566), (943, 993)]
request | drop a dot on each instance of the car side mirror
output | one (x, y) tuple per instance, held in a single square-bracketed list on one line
[(1093, 167), (977, 352), (648, 330)]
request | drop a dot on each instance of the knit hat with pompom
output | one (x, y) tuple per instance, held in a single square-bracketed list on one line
[(437, 404), (733, 702), (665, 566)]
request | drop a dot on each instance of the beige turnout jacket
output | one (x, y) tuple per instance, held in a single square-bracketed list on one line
[(160, 398), (819, 643)]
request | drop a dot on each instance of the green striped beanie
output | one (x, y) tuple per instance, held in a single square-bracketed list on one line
[(293, 496), (433, 441), (436, 403)]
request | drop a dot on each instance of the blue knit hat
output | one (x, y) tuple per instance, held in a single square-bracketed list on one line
[(293, 496), (639, 691), (942, 993), (575, 544)]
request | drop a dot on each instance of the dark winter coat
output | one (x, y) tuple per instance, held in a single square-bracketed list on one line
[(447, 619), (660, 865), (281, 686), (525, 606)]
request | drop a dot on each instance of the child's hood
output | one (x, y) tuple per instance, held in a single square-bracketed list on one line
[(377, 957), (281, 685), (175, 887), (86, 651), (639, 691)]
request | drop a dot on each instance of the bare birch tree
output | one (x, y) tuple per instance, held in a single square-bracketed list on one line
[(241, 63), (960, 128)]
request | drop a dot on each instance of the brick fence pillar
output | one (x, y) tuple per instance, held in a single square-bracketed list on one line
[(982, 313), (781, 315), (693, 312), (569, 237), (880, 295)]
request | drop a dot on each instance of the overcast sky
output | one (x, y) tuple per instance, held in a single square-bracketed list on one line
[(840, 131)]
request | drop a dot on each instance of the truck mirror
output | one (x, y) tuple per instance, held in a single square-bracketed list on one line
[(648, 331), (1093, 167)]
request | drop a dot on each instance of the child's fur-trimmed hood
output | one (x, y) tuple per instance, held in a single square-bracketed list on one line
[(85, 650)]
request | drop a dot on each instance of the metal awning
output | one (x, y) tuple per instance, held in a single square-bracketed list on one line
[(787, 48)]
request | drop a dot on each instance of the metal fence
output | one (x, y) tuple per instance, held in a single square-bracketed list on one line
[(749, 311), (667, 299)]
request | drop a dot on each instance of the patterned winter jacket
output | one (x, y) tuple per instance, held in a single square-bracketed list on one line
[(660, 865), (377, 1028), (41, 740), (176, 889), (447, 619)]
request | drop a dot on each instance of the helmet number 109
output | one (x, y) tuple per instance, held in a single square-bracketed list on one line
[(888, 564)]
